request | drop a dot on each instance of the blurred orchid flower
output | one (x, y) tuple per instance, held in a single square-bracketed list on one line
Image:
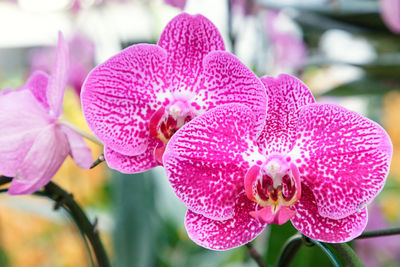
[(317, 165), (176, 3), (245, 7), (81, 58), (135, 101), (390, 13), (290, 52), (33, 142)]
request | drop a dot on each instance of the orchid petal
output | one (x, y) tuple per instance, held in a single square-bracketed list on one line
[(227, 234), (310, 222), (176, 3), (120, 95), (79, 150), (343, 157), (133, 164), (205, 160), (286, 95), (37, 84), (187, 40), (21, 120), (58, 79), (227, 80), (42, 161)]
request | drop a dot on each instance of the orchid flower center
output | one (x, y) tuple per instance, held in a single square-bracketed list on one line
[(275, 186), (166, 121)]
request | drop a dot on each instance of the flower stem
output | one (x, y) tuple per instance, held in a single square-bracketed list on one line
[(380, 232), (255, 255), (294, 244), (327, 251), (80, 132), (289, 251), (56, 193), (350, 257), (64, 199)]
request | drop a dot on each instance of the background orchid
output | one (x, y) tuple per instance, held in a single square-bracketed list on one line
[(33, 142), (81, 60), (135, 101), (390, 13), (318, 165)]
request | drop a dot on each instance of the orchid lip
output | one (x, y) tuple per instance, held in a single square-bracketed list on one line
[(275, 186), (166, 121)]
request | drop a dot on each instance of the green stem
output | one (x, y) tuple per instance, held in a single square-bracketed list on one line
[(66, 200), (289, 251), (348, 254), (380, 232), (327, 251), (80, 132), (293, 245), (62, 197), (255, 255)]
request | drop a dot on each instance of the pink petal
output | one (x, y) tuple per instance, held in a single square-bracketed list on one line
[(58, 79), (226, 80), (176, 3), (286, 95), (133, 164), (120, 95), (390, 13), (310, 223), (205, 160), (187, 40), (22, 117), (227, 234), (343, 157), (43, 160), (79, 151), (37, 84)]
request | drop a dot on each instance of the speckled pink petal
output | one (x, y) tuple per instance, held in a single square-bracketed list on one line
[(390, 13), (286, 95), (22, 117), (343, 157), (226, 80), (44, 158), (227, 234), (37, 84), (79, 150), (187, 40), (310, 223), (58, 79), (205, 160), (133, 164), (120, 95)]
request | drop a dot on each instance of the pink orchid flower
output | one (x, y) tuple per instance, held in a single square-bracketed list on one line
[(135, 101), (317, 165), (33, 142), (176, 3), (390, 13)]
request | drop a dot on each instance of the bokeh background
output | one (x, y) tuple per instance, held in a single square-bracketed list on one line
[(346, 51)]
